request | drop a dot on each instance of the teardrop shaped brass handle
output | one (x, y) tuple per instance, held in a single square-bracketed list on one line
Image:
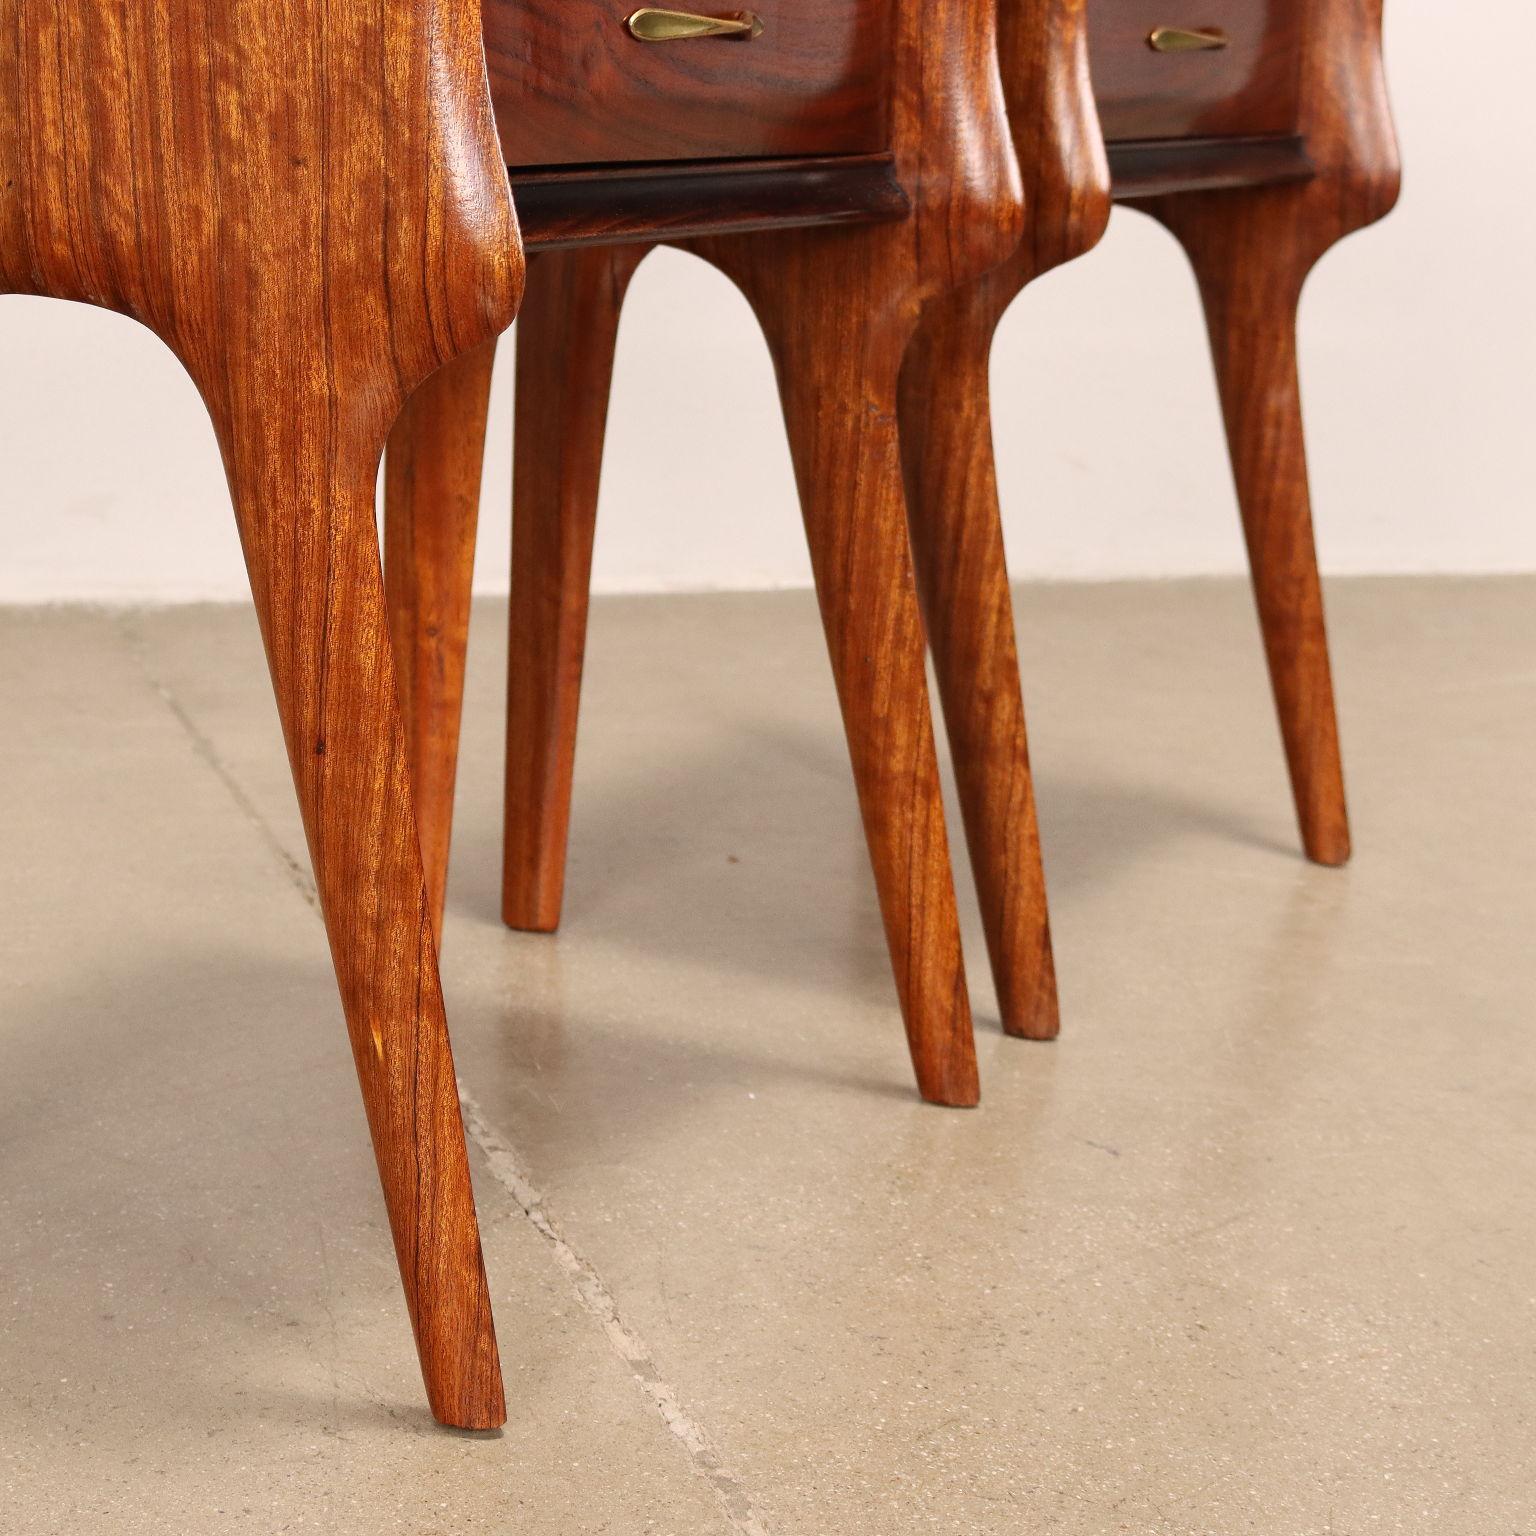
[(656, 26), (1184, 40)]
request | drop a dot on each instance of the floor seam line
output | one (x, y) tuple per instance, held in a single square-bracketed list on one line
[(508, 1171), (203, 747), (599, 1302)]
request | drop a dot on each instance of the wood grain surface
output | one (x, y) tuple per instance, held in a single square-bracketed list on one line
[(431, 514), (957, 534), (620, 205), (1153, 168), (565, 350), (572, 87), (1248, 88), (306, 203)]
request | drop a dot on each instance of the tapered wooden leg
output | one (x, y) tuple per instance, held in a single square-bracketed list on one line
[(1254, 347), (431, 510), (565, 347), (1250, 278), (308, 205), (957, 535), (837, 350), (303, 479), (1252, 250), (957, 547)]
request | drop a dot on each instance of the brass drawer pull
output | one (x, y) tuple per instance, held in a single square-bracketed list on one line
[(653, 26), (1182, 40)]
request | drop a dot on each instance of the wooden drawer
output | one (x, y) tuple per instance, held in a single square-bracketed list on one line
[(572, 87), (1247, 88)]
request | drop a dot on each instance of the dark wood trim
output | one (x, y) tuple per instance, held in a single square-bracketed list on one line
[(605, 206), (1157, 167)]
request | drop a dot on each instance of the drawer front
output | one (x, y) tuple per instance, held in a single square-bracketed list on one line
[(1248, 87), (573, 87)]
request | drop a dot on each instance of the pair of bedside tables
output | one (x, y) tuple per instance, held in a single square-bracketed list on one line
[(856, 182), (310, 205)]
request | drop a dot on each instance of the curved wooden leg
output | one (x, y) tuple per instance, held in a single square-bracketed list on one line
[(566, 335), (1252, 326), (1250, 255), (308, 280), (957, 535), (431, 511), (304, 498), (1252, 250), (837, 349), (957, 548)]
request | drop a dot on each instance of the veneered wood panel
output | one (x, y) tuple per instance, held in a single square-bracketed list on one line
[(572, 87), (1248, 88)]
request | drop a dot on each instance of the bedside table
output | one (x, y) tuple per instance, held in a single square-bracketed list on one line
[(1254, 215), (844, 162), (1259, 143), (310, 207), (307, 204)]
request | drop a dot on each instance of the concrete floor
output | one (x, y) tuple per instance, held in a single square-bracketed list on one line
[(1249, 1250)]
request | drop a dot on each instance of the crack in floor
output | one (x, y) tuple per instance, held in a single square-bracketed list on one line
[(593, 1293), (298, 873), (506, 1168)]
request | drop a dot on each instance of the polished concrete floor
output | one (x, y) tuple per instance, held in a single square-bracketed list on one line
[(1250, 1249)]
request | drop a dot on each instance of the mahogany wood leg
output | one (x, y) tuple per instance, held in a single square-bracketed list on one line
[(308, 280), (1251, 252), (957, 536), (837, 349), (957, 548), (566, 335), (431, 510), (1252, 325), (304, 498)]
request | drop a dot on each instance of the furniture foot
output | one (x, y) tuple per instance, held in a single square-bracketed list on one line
[(431, 511), (1253, 343), (566, 336)]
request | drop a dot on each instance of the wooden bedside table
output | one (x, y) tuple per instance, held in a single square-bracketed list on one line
[(1259, 142), (858, 165), (310, 207), (307, 204)]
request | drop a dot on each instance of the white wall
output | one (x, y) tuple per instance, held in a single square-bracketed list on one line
[(1419, 361)]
